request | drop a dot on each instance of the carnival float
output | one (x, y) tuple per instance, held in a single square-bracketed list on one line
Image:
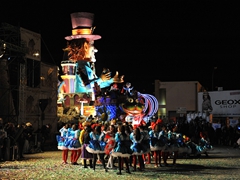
[(84, 95)]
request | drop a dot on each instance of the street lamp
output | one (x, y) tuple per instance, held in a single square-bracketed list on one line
[(213, 76)]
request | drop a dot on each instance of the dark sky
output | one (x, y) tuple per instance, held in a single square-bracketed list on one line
[(145, 39)]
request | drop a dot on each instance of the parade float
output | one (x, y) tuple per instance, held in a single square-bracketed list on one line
[(83, 94)]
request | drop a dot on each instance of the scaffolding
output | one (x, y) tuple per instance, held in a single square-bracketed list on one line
[(12, 57)]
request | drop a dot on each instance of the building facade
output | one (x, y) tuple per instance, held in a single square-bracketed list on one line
[(175, 99)]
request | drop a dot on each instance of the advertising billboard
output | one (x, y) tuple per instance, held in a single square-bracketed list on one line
[(224, 103)]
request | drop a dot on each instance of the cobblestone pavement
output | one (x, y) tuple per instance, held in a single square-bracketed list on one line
[(221, 163)]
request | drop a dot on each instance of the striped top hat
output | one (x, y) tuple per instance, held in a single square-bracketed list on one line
[(82, 26)]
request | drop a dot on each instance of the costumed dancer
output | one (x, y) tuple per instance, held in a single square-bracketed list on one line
[(85, 140), (163, 138), (122, 149), (196, 149), (155, 144), (97, 146), (149, 154), (74, 144), (138, 149), (187, 141), (183, 147), (128, 130), (205, 143), (173, 144), (62, 139), (145, 141), (110, 139)]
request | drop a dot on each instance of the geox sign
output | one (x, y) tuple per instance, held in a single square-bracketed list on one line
[(224, 103), (230, 103)]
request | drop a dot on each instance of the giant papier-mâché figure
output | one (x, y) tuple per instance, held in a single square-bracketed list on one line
[(80, 50)]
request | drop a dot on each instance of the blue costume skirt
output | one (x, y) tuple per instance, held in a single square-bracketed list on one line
[(61, 142), (96, 147)]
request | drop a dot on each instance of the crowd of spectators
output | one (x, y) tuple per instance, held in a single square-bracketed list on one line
[(17, 140), (226, 134)]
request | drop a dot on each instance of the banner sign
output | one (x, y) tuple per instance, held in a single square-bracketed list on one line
[(224, 103)]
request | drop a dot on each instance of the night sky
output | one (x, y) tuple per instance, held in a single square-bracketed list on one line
[(145, 39)]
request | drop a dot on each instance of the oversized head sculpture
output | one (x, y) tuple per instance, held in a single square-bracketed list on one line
[(80, 50)]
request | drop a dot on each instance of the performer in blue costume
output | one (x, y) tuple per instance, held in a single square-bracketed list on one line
[(62, 142), (74, 143), (97, 146), (155, 143), (122, 149), (173, 146), (138, 148)]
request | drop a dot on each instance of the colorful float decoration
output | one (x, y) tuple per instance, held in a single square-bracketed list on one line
[(82, 93)]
